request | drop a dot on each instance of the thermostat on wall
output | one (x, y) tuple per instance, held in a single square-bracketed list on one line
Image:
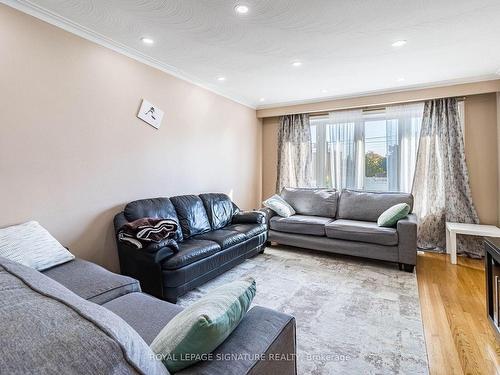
[(150, 114)]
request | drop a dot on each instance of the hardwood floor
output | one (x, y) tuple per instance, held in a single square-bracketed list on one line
[(458, 336)]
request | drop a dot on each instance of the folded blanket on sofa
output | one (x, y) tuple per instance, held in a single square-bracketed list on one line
[(149, 232)]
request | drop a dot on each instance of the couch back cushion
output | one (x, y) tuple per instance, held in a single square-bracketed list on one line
[(368, 206), (159, 208), (220, 209), (192, 215), (66, 335), (312, 202)]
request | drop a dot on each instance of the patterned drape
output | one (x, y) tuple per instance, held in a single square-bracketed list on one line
[(441, 183), (294, 152)]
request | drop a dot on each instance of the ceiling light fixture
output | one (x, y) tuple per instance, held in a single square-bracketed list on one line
[(401, 79), (221, 78), (296, 63), (241, 9), (399, 43), (146, 40), (262, 99), (324, 91)]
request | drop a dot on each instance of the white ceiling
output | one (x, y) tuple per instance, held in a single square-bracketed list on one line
[(344, 45)]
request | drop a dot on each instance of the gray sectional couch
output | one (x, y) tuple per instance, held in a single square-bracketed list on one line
[(79, 318), (346, 223)]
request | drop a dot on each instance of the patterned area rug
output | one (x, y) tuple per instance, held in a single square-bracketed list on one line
[(354, 316)]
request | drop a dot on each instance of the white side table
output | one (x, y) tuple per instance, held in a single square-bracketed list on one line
[(452, 229)]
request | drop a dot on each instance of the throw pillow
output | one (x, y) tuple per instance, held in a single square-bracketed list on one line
[(32, 245), (279, 205), (200, 328), (393, 214)]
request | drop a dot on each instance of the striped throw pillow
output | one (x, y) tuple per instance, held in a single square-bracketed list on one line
[(32, 245)]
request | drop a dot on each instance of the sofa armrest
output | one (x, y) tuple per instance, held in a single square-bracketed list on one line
[(142, 264), (249, 217), (269, 214), (407, 232), (119, 221), (263, 343)]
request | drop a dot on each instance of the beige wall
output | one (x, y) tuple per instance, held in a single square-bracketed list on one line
[(498, 150), (481, 152), (72, 151), (481, 148)]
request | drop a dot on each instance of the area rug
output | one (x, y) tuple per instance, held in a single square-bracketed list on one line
[(353, 316)]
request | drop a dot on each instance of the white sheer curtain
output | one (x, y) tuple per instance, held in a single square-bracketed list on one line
[(403, 134), (345, 150), (387, 139)]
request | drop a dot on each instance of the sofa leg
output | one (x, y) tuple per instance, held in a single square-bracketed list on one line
[(400, 266), (268, 243), (408, 267)]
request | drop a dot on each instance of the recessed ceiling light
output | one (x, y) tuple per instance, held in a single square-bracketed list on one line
[(296, 63), (241, 9), (262, 99), (324, 91), (401, 79), (221, 78), (146, 40), (399, 43)]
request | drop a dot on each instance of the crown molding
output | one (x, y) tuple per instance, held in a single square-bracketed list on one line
[(57, 20), (459, 87)]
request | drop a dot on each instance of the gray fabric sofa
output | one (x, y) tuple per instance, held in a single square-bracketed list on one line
[(79, 318), (346, 223)]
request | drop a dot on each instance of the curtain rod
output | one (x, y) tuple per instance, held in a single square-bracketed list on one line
[(377, 108)]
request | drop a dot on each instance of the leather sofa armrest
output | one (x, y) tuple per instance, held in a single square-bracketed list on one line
[(119, 221), (269, 214), (249, 217), (407, 233), (154, 253), (142, 264)]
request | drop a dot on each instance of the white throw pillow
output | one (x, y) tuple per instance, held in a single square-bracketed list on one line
[(279, 205), (32, 245)]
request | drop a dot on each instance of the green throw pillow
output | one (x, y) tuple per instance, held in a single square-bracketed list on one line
[(196, 331), (393, 214)]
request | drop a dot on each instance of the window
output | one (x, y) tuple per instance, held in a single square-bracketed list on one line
[(366, 149)]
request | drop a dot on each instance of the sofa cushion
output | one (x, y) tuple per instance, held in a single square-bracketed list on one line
[(310, 201), (219, 209), (144, 313), (192, 215), (368, 206), (225, 238), (300, 224), (362, 231), (47, 329), (190, 251), (249, 230), (158, 208), (92, 282)]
